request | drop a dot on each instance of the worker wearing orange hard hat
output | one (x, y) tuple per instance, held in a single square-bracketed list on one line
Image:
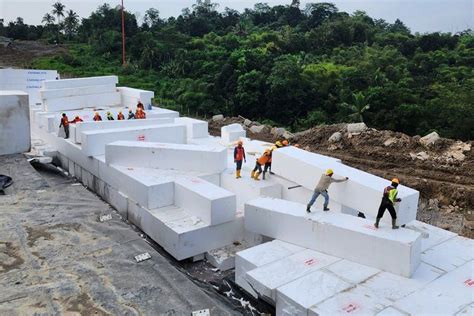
[(77, 119), (389, 198), (259, 163), (120, 116), (322, 189), (239, 156), (97, 117)]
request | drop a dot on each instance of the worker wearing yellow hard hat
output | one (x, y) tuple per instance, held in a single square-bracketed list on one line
[(322, 189), (389, 198)]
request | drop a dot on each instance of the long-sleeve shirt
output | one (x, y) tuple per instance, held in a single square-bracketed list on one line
[(325, 182)]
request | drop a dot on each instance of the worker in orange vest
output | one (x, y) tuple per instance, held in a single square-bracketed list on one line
[(140, 106), (140, 114), (97, 117), (65, 124), (77, 119), (120, 116), (239, 156), (258, 165)]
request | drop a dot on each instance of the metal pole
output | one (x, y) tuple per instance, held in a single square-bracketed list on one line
[(123, 36)]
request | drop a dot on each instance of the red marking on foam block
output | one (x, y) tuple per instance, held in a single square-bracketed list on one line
[(311, 261), (469, 282), (350, 308), (195, 180), (369, 227), (141, 138)]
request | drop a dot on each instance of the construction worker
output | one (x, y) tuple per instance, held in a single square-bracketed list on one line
[(120, 116), (140, 106), (140, 114), (258, 165), (76, 119), (110, 117), (268, 165), (131, 116), (65, 124), (322, 189), (97, 117), (388, 199), (239, 156)]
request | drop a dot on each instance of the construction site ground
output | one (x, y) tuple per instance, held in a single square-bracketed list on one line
[(444, 178), (56, 257)]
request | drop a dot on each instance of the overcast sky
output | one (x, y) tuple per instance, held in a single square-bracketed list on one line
[(419, 15)]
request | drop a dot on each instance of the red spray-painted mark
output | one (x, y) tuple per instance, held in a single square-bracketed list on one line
[(141, 138), (311, 261), (469, 282), (195, 180), (369, 227), (350, 308)]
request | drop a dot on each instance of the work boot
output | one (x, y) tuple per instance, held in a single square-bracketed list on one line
[(325, 209), (263, 176), (272, 172), (237, 174), (308, 209), (377, 221), (394, 223), (257, 174), (252, 174)]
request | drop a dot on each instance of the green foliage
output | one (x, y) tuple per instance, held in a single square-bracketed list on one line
[(289, 66)]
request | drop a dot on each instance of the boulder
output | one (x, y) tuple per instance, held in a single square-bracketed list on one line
[(390, 141), (247, 122), (257, 129), (356, 127), (288, 135), (429, 139), (336, 137), (218, 117), (278, 131)]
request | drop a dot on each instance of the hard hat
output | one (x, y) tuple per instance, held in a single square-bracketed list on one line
[(96, 113), (108, 113), (267, 151), (395, 180), (278, 143), (239, 142), (329, 171), (77, 116), (120, 112), (285, 142)]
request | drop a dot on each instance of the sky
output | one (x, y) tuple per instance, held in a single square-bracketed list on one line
[(419, 15)]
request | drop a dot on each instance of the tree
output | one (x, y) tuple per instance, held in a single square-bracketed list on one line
[(58, 10), (71, 23), (360, 104), (48, 19), (152, 17)]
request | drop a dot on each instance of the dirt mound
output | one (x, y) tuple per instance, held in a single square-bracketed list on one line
[(442, 172), (20, 54)]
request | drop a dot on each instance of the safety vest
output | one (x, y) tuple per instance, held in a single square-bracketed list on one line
[(390, 193), (120, 117), (140, 115), (64, 121), (239, 153), (97, 118), (264, 159)]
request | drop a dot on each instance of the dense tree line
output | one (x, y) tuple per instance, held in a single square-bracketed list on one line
[(291, 66)]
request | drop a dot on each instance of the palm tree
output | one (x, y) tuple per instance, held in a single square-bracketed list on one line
[(71, 23), (360, 104), (48, 19), (58, 10)]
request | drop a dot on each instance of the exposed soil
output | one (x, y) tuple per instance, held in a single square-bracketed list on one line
[(20, 54), (446, 184)]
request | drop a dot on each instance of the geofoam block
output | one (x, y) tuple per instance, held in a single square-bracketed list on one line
[(344, 236), (182, 235), (93, 142), (14, 122), (450, 254), (131, 97), (258, 256), (431, 235), (266, 279), (210, 159), (79, 82), (363, 192), (296, 297), (82, 101), (447, 295), (161, 113), (195, 128), (101, 125), (212, 204), (47, 94), (232, 133)]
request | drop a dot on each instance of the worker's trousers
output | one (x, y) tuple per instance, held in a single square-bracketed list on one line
[(258, 167), (386, 204), (66, 130), (238, 164), (315, 196)]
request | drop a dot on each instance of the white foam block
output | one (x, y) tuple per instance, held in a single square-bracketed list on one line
[(80, 82), (266, 279), (450, 254), (447, 295), (231, 133), (211, 159), (183, 235), (93, 142), (101, 125), (247, 189), (295, 298), (363, 192), (258, 256), (131, 97), (161, 113), (351, 271), (195, 128), (14, 122), (345, 236), (212, 204), (356, 301), (70, 92), (431, 235), (82, 101)]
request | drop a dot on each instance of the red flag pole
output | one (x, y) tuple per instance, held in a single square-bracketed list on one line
[(123, 36)]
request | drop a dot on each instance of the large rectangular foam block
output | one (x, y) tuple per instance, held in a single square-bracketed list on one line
[(258, 256), (117, 199), (431, 235), (82, 101), (363, 192), (450, 254), (161, 113), (266, 279), (295, 298), (131, 96), (80, 82), (447, 295), (182, 235), (195, 128), (101, 125), (71, 92), (247, 189), (345, 236), (211, 159), (212, 204), (93, 142), (149, 190), (232, 133), (14, 122)]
